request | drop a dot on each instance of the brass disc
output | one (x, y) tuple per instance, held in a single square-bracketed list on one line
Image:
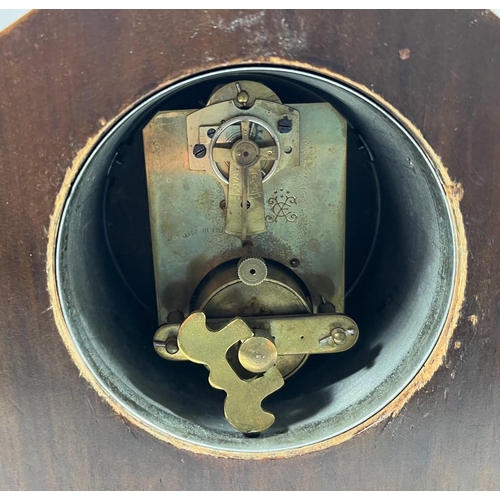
[(226, 296), (257, 354)]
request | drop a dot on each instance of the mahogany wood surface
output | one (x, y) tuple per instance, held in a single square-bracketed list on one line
[(63, 74)]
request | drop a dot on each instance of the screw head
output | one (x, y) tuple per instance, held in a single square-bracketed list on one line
[(210, 132), (199, 150), (257, 354), (242, 97), (285, 125), (339, 336)]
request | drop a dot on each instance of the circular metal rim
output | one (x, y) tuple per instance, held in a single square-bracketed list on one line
[(227, 124), (450, 320), (269, 280)]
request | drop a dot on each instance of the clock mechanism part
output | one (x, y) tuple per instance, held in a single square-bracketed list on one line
[(247, 202)]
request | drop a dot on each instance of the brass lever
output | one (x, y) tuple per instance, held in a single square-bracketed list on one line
[(242, 406), (257, 354)]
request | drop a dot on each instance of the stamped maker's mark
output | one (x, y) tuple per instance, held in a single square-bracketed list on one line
[(281, 207)]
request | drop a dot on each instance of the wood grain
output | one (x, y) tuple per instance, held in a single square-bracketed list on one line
[(65, 75)]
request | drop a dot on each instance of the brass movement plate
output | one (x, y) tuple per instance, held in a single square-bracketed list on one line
[(304, 207)]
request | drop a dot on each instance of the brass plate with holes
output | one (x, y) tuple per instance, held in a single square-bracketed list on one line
[(304, 204)]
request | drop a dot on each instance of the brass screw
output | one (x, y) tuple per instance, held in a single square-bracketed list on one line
[(242, 97), (339, 336)]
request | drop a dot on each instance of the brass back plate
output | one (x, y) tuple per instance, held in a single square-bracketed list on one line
[(304, 207)]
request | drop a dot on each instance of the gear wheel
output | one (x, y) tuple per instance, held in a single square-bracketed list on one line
[(252, 270)]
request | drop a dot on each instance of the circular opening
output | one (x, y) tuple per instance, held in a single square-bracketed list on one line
[(400, 260)]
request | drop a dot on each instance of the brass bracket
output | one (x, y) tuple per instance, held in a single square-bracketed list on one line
[(294, 334), (259, 340)]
